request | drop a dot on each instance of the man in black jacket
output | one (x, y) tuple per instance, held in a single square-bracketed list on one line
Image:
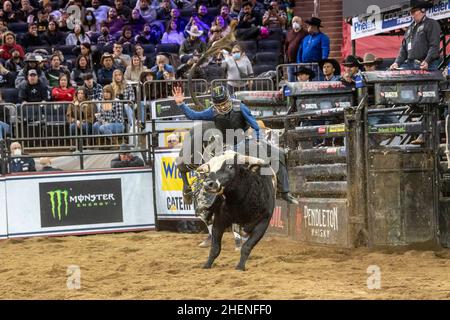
[(126, 159), (33, 90)]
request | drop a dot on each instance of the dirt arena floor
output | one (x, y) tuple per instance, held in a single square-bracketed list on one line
[(164, 265)]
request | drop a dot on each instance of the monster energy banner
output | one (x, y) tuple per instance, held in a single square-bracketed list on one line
[(167, 108), (80, 202)]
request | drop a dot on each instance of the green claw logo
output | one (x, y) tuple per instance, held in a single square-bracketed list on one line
[(58, 198)]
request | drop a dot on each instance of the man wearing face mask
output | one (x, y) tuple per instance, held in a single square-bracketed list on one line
[(106, 38), (292, 43), (18, 162)]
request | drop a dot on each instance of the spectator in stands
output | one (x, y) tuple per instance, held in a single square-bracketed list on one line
[(370, 62), (25, 11), (258, 8), (215, 34), (114, 22), (62, 23), (46, 164), (56, 69), (274, 16), (237, 66), (136, 21), (4, 130), (19, 162), (331, 69), (292, 44), (247, 17), (176, 16), (122, 10), (316, 45), (148, 13), (134, 70), (42, 22), (106, 38), (8, 14), (126, 39), (32, 62), (220, 22), (121, 60), (64, 91), (16, 63), (105, 73), (173, 141), (235, 9), (304, 74), (352, 67), (77, 37), (192, 44), (94, 91), (162, 69), (3, 28), (172, 35), (80, 116), (89, 23), (139, 51), (31, 38), (202, 20), (33, 90), (82, 68), (53, 36), (100, 11), (420, 47), (225, 13), (110, 118), (164, 10), (85, 49), (149, 35), (126, 159), (123, 91), (9, 43), (184, 69), (147, 92)]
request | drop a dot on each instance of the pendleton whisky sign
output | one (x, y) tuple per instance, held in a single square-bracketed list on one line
[(80, 202)]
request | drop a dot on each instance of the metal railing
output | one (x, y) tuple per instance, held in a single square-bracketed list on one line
[(145, 149), (7, 119), (283, 70), (245, 84)]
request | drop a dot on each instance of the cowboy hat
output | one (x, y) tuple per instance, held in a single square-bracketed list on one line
[(314, 22), (352, 61), (195, 32), (106, 55), (420, 4), (334, 62), (370, 58), (304, 70)]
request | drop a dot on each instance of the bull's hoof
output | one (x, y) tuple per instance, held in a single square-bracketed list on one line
[(207, 266), (240, 268)]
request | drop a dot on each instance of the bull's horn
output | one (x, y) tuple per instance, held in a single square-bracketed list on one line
[(254, 160)]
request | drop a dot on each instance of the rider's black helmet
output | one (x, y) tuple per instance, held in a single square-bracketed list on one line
[(221, 99)]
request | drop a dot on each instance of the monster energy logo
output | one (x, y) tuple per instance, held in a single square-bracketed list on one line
[(57, 197)]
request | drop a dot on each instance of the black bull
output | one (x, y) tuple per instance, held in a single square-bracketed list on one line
[(246, 197), (252, 213)]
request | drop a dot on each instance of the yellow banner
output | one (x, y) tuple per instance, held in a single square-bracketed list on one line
[(171, 176)]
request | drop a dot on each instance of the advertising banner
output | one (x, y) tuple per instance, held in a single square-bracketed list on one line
[(368, 25), (80, 203), (3, 219), (322, 221), (169, 186)]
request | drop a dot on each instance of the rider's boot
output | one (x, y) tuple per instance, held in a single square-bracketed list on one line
[(187, 195)]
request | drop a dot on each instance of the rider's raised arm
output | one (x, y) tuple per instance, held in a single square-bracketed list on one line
[(207, 114), (250, 119)]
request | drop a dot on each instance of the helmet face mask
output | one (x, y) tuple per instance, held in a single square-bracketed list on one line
[(223, 107), (221, 99)]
